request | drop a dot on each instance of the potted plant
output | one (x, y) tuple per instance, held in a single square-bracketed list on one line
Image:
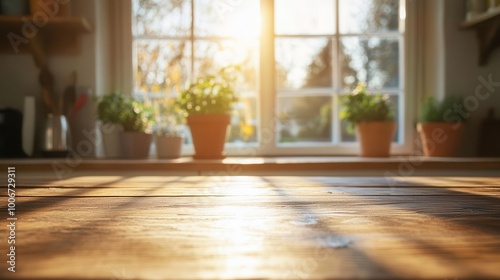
[(373, 119), (108, 111), (208, 103), (168, 138), (136, 119), (440, 127)]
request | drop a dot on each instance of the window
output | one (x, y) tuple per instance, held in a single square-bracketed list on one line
[(176, 41), (298, 58)]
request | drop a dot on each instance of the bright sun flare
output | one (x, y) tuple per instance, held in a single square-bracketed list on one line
[(239, 21)]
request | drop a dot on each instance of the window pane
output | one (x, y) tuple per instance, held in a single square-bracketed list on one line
[(244, 122), (303, 63), (227, 18), (299, 17), (162, 17), (210, 56), (305, 119), (347, 135), (162, 66), (368, 16), (373, 60)]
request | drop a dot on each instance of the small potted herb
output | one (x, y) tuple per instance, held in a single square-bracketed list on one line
[(109, 110), (440, 126), (136, 119), (168, 138), (373, 119), (208, 103)]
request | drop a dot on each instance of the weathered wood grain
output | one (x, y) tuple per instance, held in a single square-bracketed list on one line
[(160, 227)]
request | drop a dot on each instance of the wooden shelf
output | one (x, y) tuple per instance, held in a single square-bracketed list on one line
[(60, 34), (487, 27), (485, 17)]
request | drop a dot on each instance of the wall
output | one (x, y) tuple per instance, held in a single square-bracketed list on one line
[(19, 75), (462, 71)]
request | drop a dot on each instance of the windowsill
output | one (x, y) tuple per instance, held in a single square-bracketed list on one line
[(335, 166)]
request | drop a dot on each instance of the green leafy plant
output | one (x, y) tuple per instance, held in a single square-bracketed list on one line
[(445, 110), (363, 107), (127, 111), (110, 107), (169, 117), (136, 116), (213, 94)]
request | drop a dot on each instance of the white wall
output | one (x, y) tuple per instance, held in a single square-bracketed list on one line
[(462, 71)]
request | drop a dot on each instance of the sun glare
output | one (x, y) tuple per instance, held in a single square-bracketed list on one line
[(240, 21), (239, 233), (245, 27)]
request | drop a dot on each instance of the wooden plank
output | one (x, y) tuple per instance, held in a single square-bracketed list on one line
[(139, 185), (177, 190), (60, 34), (481, 19), (135, 179), (54, 24)]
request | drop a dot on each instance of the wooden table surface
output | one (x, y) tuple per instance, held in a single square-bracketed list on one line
[(133, 226)]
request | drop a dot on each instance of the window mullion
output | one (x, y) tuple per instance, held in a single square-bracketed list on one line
[(268, 119), (337, 79), (191, 41)]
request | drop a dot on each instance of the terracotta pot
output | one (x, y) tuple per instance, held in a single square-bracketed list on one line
[(169, 147), (440, 139), (209, 134), (136, 144), (111, 139), (375, 138)]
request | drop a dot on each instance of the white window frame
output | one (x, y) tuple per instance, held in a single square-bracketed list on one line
[(267, 133)]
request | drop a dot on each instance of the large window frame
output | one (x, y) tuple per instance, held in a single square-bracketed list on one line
[(268, 93)]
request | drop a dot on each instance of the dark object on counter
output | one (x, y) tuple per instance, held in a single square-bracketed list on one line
[(11, 127), (489, 136), (14, 7)]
